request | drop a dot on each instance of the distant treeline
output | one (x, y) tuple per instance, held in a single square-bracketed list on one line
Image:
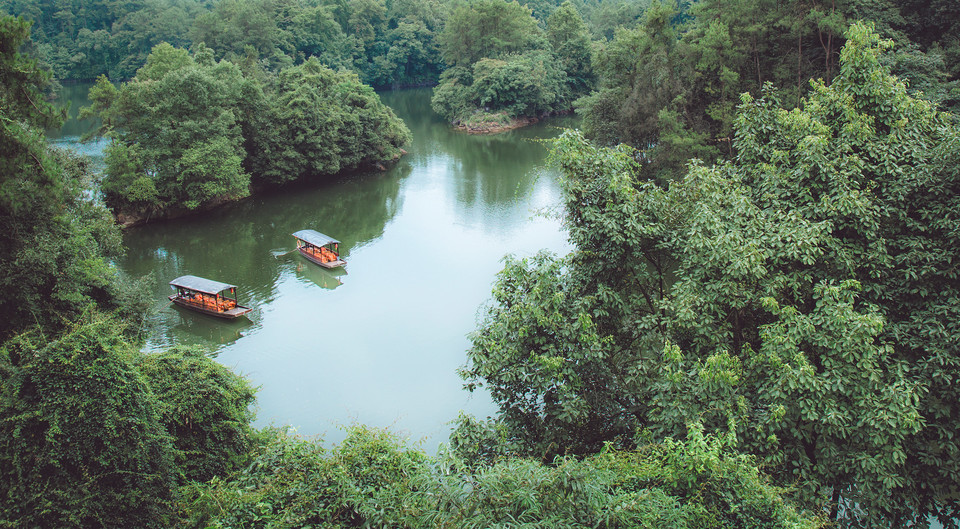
[(665, 77), (388, 43)]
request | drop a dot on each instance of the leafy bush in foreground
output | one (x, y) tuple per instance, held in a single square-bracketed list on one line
[(373, 480), (81, 443)]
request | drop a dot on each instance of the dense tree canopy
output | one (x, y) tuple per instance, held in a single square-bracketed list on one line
[(321, 122), (188, 132), (503, 64), (387, 43), (97, 434), (487, 29), (55, 241), (798, 296), (670, 89), (204, 408)]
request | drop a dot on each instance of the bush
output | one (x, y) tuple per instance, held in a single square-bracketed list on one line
[(81, 442), (372, 480), (204, 407)]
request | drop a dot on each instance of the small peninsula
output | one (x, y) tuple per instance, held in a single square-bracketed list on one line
[(190, 133)]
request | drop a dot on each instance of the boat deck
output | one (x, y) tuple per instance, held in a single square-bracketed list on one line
[(205, 308), (335, 263)]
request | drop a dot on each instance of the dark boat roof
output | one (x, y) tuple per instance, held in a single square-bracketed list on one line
[(315, 237), (207, 286)]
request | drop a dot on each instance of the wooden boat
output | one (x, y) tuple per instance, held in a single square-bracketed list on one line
[(319, 248), (207, 296)]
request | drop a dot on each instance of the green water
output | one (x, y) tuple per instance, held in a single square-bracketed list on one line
[(74, 96), (380, 343)]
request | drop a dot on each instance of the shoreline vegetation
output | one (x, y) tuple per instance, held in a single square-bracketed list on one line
[(132, 218), (483, 123), (523, 73)]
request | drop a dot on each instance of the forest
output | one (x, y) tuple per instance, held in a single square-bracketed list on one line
[(756, 326)]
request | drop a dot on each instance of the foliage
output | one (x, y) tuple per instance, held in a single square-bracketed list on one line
[(476, 443), (453, 97), (386, 43), (188, 131), (544, 362), (798, 297), (692, 483), (670, 85), (501, 62), (82, 443), (570, 38), (487, 29), (527, 84), (293, 482), (176, 125), (55, 241), (371, 480), (82, 40), (204, 407), (323, 122)]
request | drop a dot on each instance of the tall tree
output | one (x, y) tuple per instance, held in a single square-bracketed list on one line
[(55, 241), (570, 39), (177, 140), (487, 29), (799, 296)]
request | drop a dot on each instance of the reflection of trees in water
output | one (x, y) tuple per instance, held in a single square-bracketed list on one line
[(487, 170), (208, 329), (237, 243), (74, 96), (493, 172), (427, 127)]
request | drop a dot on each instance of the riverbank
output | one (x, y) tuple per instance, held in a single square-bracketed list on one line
[(496, 122), (149, 214)]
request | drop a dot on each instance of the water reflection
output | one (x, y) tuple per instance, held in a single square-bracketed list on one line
[(74, 96), (240, 243), (328, 279), (201, 329), (380, 345)]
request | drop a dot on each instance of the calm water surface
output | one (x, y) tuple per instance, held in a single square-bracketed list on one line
[(379, 344)]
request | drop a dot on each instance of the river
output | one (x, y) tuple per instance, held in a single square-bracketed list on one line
[(380, 344)]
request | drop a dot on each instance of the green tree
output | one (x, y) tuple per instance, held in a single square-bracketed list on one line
[(232, 25), (501, 65), (56, 242), (670, 85), (570, 39), (643, 94), (323, 122), (177, 140), (487, 29), (797, 297), (372, 479), (525, 84)]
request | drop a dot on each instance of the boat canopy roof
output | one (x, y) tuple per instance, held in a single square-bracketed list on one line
[(199, 284), (315, 237)]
